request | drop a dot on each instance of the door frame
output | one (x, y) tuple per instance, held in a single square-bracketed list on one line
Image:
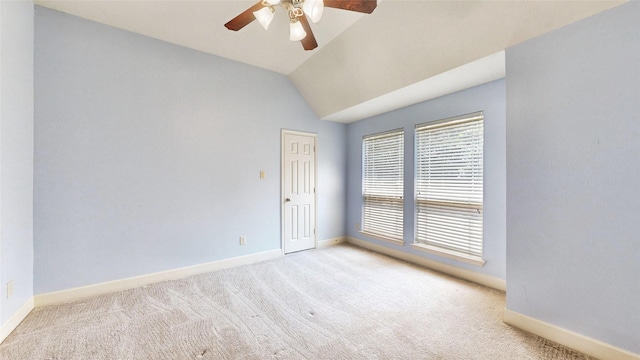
[(284, 132)]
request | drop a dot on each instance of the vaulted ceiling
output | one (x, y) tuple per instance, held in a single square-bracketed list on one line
[(403, 53)]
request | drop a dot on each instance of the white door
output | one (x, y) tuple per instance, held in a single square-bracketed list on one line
[(298, 191)]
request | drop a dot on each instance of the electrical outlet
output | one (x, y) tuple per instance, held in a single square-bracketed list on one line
[(262, 175), (358, 226), (243, 240), (9, 289)]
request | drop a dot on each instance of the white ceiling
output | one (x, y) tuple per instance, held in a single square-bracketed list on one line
[(403, 53)]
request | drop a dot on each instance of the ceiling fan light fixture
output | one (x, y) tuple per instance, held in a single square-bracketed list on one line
[(264, 16), (313, 9), (296, 31), (300, 13)]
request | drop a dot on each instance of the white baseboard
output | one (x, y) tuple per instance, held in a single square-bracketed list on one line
[(479, 278), (567, 338), (68, 295), (331, 242), (16, 319)]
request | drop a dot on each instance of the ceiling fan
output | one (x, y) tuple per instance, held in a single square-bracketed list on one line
[(298, 11)]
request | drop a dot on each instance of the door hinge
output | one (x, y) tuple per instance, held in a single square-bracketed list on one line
[(314, 231)]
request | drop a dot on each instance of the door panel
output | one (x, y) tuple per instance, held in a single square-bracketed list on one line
[(299, 219)]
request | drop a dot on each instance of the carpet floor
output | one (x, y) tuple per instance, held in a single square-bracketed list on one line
[(340, 302)]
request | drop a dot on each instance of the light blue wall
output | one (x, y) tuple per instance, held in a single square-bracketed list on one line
[(573, 176), (491, 99), (147, 155), (16, 155)]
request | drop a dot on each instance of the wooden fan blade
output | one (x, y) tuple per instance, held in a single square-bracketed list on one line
[(363, 6), (309, 41), (244, 19)]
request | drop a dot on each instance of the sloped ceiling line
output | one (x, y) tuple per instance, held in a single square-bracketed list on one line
[(366, 64)]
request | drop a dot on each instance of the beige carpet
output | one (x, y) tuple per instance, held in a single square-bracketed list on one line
[(336, 303)]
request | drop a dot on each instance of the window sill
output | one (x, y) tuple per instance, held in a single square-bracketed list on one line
[(382, 238), (469, 259)]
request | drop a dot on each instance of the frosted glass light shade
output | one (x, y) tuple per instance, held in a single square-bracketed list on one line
[(273, 2), (264, 16), (296, 31), (313, 9)]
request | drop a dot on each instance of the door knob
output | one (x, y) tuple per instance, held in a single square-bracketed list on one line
[(287, 200)]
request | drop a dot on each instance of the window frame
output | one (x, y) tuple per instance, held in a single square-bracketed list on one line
[(395, 200), (458, 209)]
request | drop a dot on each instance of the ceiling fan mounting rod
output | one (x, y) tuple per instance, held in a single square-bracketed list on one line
[(284, 3), (296, 3)]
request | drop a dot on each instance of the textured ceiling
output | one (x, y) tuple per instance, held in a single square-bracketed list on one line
[(365, 64)]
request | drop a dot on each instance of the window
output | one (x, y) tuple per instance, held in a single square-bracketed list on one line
[(383, 184), (449, 187)]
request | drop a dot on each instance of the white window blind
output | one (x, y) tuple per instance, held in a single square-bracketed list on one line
[(383, 184), (449, 185)]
